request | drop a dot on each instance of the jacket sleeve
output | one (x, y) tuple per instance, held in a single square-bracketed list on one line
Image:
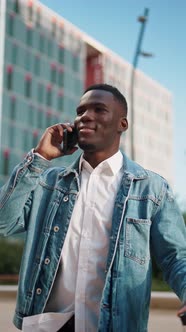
[(16, 194), (168, 239)]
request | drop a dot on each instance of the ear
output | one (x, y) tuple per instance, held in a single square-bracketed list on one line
[(123, 125)]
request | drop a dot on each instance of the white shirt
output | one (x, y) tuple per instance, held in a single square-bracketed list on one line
[(80, 280)]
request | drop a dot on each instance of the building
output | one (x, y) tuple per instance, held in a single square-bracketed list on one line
[(45, 64)]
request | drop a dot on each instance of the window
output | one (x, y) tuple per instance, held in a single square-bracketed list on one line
[(16, 6), (6, 157), (28, 85), (26, 145), (37, 65), (61, 34), (12, 136), (40, 96), (49, 119), (18, 82), (14, 53), (54, 27), (35, 138), (31, 115), (40, 115), (38, 17), (41, 42), (30, 11), (49, 47), (20, 30), (75, 63), (9, 71), (49, 95), (56, 117), (29, 36), (53, 72), (10, 24), (28, 60), (61, 77), (61, 54), (60, 100), (13, 108)]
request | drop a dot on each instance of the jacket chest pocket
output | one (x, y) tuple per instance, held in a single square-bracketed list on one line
[(137, 240)]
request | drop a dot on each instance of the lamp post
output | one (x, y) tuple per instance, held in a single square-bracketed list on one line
[(138, 52)]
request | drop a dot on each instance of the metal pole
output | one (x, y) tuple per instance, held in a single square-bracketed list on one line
[(2, 50), (142, 20)]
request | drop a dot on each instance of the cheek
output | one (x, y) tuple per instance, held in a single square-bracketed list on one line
[(111, 124)]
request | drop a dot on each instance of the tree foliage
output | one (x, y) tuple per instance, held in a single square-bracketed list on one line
[(10, 256)]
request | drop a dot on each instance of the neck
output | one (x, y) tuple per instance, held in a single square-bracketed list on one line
[(94, 159)]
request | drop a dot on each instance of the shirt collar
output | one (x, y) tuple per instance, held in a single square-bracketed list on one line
[(111, 165)]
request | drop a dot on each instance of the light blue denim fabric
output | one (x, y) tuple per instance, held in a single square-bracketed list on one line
[(39, 199)]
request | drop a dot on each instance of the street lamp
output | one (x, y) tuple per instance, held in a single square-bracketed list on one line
[(138, 52)]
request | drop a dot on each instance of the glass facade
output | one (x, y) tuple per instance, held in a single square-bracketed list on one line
[(43, 79), (47, 63)]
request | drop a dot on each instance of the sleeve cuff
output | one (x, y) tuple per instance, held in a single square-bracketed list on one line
[(39, 155)]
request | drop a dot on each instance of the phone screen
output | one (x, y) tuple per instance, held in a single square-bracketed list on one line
[(69, 139)]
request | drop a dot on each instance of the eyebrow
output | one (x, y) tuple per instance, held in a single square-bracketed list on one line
[(91, 104)]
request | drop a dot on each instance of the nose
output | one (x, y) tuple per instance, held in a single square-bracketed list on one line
[(87, 115)]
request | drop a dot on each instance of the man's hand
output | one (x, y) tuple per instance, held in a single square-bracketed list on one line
[(49, 145)]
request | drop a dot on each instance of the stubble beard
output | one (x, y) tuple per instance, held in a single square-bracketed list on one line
[(87, 147)]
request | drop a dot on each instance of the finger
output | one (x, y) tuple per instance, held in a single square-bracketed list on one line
[(182, 310), (57, 128), (69, 126)]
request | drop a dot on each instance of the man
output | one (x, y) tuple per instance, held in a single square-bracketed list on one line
[(91, 228)]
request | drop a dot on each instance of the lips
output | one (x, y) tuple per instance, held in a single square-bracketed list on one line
[(86, 130)]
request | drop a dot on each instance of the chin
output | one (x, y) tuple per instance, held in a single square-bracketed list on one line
[(87, 146)]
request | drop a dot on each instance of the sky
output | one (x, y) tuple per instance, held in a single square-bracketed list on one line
[(114, 24)]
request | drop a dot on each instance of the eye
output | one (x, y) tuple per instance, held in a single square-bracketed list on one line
[(99, 109), (80, 111)]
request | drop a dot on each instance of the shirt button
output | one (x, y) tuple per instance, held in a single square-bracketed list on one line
[(47, 261), (56, 229), (65, 199), (38, 291), (29, 159)]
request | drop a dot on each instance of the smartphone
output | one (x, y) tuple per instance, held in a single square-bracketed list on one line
[(69, 139), (183, 318)]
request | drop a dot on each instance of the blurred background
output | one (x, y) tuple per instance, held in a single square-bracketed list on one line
[(50, 51)]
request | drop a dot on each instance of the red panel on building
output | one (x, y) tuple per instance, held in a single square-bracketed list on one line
[(94, 70)]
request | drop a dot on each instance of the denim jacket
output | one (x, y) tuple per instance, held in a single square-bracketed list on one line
[(39, 199)]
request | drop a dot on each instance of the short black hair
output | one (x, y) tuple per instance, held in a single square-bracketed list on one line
[(116, 93)]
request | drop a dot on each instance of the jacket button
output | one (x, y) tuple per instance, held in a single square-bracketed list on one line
[(47, 261), (56, 229), (38, 291), (65, 199)]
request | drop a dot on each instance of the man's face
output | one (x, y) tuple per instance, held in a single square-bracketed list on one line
[(99, 122)]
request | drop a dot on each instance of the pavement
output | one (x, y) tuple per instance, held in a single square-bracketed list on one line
[(161, 319)]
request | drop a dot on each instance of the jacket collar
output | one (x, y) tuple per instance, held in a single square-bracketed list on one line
[(132, 170), (73, 168)]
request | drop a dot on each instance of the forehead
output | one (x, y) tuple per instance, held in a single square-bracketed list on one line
[(97, 96)]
